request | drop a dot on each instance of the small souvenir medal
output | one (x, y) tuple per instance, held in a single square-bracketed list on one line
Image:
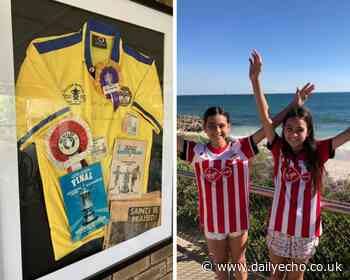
[(68, 142), (110, 83)]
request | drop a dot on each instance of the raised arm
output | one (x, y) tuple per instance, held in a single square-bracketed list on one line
[(269, 124), (341, 138), (300, 98), (263, 108)]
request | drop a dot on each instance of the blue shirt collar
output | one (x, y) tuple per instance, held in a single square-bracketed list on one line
[(95, 26)]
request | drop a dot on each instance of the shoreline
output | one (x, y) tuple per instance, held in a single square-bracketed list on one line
[(338, 169)]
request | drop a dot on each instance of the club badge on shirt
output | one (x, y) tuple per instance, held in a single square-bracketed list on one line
[(74, 94), (109, 82), (68, 142)]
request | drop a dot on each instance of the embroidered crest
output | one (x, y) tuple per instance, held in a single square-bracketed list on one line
[(74, 94)]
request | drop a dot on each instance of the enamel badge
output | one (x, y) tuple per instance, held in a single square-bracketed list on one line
[(68, 142)]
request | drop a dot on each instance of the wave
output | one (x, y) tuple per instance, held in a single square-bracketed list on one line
[(332, 119)]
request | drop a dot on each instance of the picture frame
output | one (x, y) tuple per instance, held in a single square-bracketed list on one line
[(10, 227), (160, 5)]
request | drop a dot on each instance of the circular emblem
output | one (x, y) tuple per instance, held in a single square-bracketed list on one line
[(74, 94), (125, 96), (69, 142)]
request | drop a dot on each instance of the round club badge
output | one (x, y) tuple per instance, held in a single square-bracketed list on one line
[(125, 96), (68, 142)]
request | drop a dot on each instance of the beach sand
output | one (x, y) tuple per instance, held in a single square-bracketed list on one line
[(338, 169)]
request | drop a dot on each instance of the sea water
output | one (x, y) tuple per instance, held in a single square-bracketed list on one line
[(330, 112)]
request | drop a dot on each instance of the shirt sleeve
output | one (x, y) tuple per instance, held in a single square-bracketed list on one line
[(248, 147), (148, 98), (325, 150), (187, 152), (38, 99), (275, 146)]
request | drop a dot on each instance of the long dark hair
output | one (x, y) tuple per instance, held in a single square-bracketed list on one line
[(312, 157), (213, 111)]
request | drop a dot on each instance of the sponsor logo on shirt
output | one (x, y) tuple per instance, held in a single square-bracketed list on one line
[(291, 174), (213, 174)]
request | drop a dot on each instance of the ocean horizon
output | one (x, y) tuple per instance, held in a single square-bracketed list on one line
[(330, 111), (266, 93)]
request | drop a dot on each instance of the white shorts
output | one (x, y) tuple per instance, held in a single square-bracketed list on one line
[(223, 236), (285, 245)]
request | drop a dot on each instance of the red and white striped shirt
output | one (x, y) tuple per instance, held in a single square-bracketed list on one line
[(223, 183), (296, 208)]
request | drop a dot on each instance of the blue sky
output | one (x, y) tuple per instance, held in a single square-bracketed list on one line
[(300, 41)]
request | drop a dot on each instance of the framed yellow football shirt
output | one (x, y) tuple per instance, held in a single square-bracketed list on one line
[(67, 76)]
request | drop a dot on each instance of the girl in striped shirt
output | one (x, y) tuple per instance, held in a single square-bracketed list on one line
[(295, 219), (222, 173)]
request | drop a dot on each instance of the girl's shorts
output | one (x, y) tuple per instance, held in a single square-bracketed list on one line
[(285, 245), (223, 236)]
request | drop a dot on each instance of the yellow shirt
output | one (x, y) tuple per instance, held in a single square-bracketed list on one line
[(57, 81)]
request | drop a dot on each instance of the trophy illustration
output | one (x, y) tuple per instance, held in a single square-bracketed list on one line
[(87, 207), (125, 184)]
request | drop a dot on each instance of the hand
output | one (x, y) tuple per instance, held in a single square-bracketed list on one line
[(302, 95), (255, 65)]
